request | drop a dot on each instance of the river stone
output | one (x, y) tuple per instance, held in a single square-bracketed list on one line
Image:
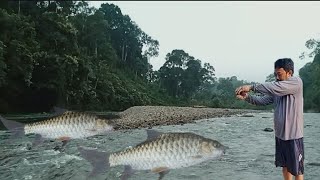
[(268, 129)]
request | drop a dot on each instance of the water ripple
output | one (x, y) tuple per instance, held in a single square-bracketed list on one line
[(250, 154)]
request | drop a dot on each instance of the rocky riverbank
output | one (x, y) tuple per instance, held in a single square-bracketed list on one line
[(149, 116)]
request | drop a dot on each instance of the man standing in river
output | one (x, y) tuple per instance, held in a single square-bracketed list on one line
[(286, 93)]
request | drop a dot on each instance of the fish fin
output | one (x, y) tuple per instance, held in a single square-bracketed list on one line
[(152, 134), (58, 111), (64, 138), (102, 122), (37, 140), (128, 171), (161, 170), (99, 160), (16, 128), (161, 174)]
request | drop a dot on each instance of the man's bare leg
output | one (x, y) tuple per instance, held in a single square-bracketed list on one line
[(299, 177), (286, 174)]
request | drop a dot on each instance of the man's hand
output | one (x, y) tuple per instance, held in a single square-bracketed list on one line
[(244, 89), (243, 95)]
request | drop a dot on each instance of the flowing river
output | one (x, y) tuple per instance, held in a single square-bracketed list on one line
[(250, 154)]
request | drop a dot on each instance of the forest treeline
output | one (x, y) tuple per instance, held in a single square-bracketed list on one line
[(71, 55)]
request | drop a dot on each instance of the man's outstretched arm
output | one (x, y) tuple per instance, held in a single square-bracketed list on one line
[(259, 100), (279, 88), (255, 100)]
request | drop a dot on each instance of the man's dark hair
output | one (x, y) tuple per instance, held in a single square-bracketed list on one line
[(285, 63)]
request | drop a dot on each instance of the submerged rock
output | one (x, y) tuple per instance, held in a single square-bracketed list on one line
[(268, 129), (247, 115), (265, 117), (314, 164)]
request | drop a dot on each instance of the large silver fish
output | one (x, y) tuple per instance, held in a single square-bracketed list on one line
[(159, 153), (66, 126)]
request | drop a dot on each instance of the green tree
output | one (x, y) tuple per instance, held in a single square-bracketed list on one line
[(128, 40), (310, 75), (65, 53), (182, 75), (17, 55), (172, 72), (270, 78)]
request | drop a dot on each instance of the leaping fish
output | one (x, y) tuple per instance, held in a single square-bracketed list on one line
[(159, 153), (66, 126)]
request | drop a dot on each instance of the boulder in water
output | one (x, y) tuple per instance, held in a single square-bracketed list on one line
[(247, 115), (268, 129), (265, 117)]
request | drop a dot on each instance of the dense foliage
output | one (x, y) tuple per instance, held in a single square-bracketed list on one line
[(310, 75), (67, 54)]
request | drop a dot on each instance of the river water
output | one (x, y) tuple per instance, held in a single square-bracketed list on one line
[(250, 154)]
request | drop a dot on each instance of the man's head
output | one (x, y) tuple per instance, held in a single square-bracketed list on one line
[(283, 69)]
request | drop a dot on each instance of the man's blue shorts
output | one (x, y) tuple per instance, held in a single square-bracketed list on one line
[(290, 154)]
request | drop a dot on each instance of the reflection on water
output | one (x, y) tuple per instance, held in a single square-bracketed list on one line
[(250, 154)]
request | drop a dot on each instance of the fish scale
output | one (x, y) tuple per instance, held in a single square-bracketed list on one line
[(69, 124), (169, 150), (159, 153)]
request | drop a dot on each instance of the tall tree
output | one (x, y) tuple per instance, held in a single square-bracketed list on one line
[(270, 78), (129, 40), (310, 75), (182, 74)]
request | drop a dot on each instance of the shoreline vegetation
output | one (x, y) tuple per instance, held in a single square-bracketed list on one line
[(72, 55), (149, 116)]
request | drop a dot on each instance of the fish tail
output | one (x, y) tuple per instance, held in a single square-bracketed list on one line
[(16, 128), (99, 160), (114, 124), (58, 111)]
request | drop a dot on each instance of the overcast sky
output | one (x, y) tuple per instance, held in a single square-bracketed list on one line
[(240, 39)]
